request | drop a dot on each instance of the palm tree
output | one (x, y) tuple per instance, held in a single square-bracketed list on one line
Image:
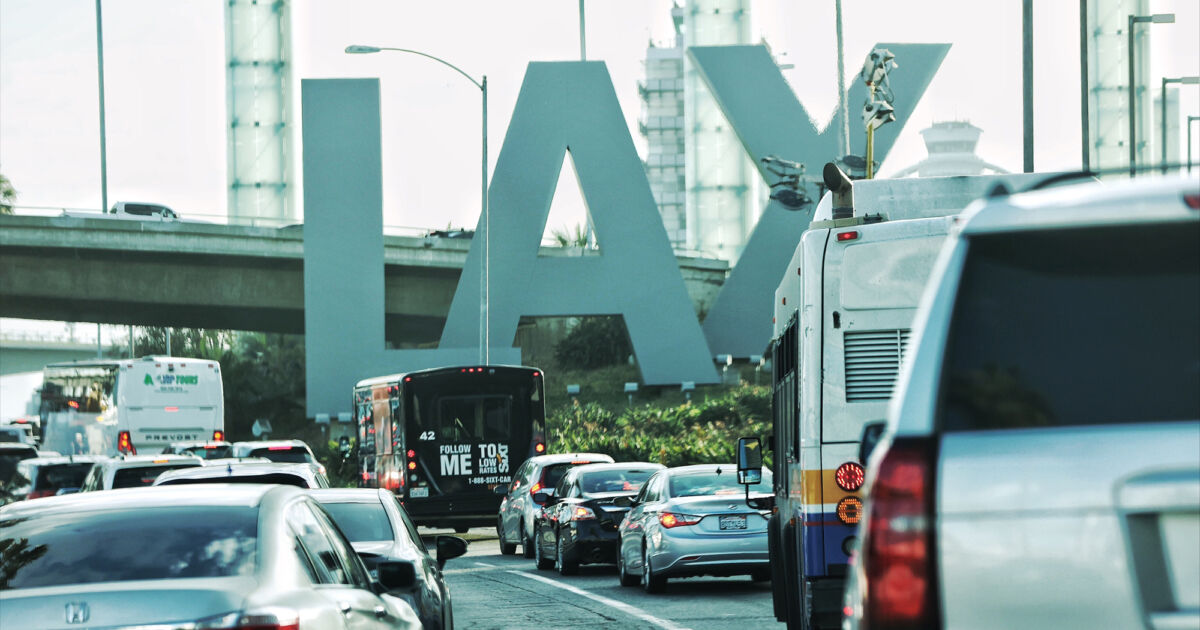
[(8, 195)]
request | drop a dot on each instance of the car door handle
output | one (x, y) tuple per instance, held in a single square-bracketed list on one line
[(380, 612), (345, 607)]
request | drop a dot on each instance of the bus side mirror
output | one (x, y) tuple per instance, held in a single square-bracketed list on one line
[(871, 434), (749, 461)]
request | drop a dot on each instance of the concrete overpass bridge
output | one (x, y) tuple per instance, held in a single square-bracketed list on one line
[(228, 277)]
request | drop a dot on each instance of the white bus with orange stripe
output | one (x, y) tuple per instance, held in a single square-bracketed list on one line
[(843, 312)]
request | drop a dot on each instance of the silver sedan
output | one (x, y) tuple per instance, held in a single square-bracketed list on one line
[(691, 521), (205, 556)]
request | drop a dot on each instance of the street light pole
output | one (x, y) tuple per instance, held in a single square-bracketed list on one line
[(1157, 18), (485, 289), (103, 148), (1163, 113)]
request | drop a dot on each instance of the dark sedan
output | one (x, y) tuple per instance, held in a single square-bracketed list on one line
[(579, 523), (380, 529)]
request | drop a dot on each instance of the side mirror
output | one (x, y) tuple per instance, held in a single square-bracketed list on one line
[(501, 490), (871, 434), (544, 499), (396, 575), (625, 502), (449, 548), (749, 461)]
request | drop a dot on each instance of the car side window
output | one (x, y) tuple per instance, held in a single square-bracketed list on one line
[(563, 487), (519, 477), (305, 561), (356, 573), (646, 495), (657, 489), (411, 529), (317, 545)]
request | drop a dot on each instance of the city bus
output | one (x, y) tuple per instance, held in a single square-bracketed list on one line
[(130, 406), (843, 314), (443, 439)]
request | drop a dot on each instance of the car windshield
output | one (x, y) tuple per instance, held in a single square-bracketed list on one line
[(140, 476), (55, 476), (283, 479), (290, 455), (554, 472), (614, 480), (133, 544), (361, 522), (210, 452), (714, 482), (1076, 327)]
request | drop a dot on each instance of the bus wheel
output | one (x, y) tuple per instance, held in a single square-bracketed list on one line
[(506, 548)]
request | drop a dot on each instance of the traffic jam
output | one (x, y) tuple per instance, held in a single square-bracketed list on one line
[(939, 515)]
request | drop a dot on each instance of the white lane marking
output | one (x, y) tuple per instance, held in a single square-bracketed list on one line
[(621, 606), (484, 564)]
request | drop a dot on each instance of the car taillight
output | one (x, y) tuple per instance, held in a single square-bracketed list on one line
[(669, 519), (898, 551), (272, 618), (125, 443), (581, 513)]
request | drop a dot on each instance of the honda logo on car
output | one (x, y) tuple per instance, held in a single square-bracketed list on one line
[(78, 612)]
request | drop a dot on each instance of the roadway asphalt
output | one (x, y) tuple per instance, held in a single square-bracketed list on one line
[(492, 591)]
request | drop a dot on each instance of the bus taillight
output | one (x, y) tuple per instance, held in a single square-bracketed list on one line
[(539, 448), (125, 443)]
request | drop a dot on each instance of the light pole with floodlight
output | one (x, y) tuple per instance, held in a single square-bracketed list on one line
[(484, 331), (1157, 18), (1163, 117)]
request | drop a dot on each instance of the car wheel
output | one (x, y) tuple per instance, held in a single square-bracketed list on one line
[(651, 583), (506, 548), (567, 563), (623, 574), (527, 543), (461, 529), (539, 557)]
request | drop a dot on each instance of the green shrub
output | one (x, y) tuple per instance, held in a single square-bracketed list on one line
[(697, 432), (594, 342)]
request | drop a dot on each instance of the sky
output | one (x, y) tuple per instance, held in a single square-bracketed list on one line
[(165, 84)]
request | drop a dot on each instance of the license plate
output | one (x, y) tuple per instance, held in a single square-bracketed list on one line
[(733, 522), (418, 492)]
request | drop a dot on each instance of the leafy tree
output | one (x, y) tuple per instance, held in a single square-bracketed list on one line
[(8, 195), (571, 237), (594, 342)]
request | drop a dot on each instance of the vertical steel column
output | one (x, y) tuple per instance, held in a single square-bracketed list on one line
[(1084, 87), (1027, 79), (103, 144)]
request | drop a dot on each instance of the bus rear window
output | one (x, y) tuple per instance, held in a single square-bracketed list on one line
[(1076, 327), (474, 418)]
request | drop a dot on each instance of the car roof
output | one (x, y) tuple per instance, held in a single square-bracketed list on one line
[(134, 461), (270, 443), (1144, 200), (214, 495), (64, 459), (586, 468), (559, 458), (347, 495), (239, 469), (695, 468), (17, 446)]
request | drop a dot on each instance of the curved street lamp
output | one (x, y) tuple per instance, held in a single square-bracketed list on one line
[(482, 85)]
